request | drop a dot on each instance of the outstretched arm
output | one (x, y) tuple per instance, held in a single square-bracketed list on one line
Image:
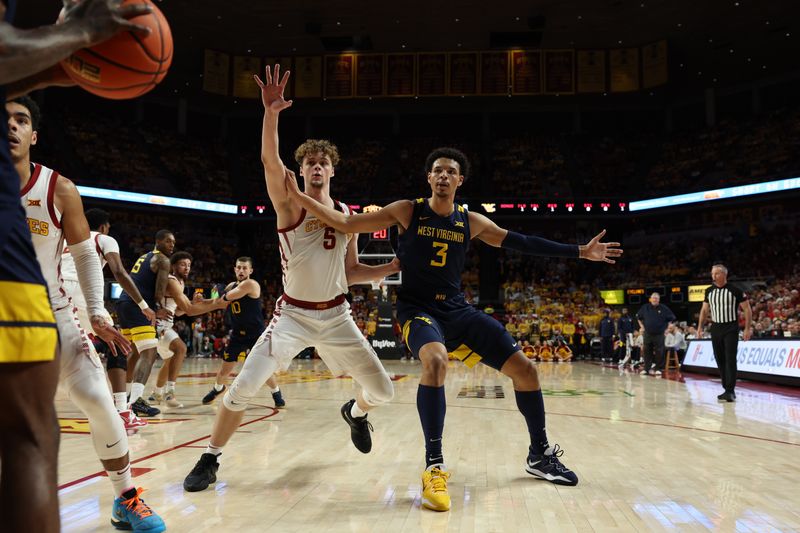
[(398, 212), (487, 231), (358, 273), (272, 97), (26, 53), (191, 308)]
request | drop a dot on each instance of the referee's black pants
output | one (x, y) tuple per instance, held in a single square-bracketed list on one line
[(725, 341), (653, 348)]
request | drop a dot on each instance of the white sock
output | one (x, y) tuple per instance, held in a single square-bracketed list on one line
[(120, 401), (160, 391), (218, 387), (170, 386), (213, 449), (137, 389), (120, 480), (276, 389), (127, 388), (356, 411)]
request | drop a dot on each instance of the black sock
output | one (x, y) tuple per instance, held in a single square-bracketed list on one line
[(432, 406), (531, 405)]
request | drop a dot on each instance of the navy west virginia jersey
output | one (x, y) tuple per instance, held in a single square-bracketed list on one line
[(430, 304), (27, 325), (145, 280), (432, 252), (247, 317)]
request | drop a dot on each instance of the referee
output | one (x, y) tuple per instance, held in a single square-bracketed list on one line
[(722, 301)]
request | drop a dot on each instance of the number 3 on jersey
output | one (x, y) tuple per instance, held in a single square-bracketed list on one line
[(441, 253), (329, 238)]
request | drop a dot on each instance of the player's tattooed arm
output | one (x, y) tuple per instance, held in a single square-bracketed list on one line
[(396, 213), (160, 265)]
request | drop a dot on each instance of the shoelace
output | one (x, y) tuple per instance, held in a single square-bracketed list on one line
[(201, 466), (553, 458), (439, 480), (137, 506), (368, 424)]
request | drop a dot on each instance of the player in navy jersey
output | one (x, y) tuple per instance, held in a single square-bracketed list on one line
[(28, 373), (150, 273), (247, 325), (435, 234)]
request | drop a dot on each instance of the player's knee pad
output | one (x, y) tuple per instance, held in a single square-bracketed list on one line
[(378, 390), (116, 361), (108, 432), (238, 397)]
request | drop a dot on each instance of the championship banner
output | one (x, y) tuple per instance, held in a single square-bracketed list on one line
[(494, 73), (654, 64), (431, 74), (369, 75), (463, 73), (216, 69), (770, 357), (526, 72), (339, 70), (624, 69), (286, 64), (559, 71), (307, 76), (400, 74), (591, 71), (244, 68)]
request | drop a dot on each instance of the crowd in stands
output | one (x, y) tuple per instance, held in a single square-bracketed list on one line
[(144, 157)]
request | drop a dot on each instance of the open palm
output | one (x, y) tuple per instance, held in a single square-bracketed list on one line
[(272, 89)]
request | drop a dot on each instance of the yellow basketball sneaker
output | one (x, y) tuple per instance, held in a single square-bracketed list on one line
[(434, 489)]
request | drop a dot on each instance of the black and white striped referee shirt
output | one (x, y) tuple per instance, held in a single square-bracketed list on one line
[(724, 303)]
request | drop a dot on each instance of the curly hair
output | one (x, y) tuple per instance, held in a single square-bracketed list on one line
[(313, 146), (450, 153)]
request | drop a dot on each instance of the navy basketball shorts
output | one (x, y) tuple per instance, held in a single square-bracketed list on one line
[(468, 334)]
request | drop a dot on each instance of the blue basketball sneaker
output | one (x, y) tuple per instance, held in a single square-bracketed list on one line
[(547, 466), (132, 514)]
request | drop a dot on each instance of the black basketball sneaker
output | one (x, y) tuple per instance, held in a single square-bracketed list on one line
[(359, 428), (547, 466)]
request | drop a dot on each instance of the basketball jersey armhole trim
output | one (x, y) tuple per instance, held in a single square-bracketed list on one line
[(293, 226), (97, 246), (37, 169), (51, 192)]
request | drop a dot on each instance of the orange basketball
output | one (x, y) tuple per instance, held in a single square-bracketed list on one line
[(127, 65)]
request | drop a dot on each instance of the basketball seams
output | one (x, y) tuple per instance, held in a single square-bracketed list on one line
[(120, 65)]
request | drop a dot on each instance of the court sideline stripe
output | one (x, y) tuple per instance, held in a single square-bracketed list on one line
[(162, 452)]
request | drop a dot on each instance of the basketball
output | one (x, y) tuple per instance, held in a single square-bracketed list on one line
[(128, 65)]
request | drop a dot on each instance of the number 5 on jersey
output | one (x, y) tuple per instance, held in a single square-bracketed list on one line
[(441, 253)]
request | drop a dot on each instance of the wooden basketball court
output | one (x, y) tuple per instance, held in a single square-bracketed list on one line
[(652, 455)]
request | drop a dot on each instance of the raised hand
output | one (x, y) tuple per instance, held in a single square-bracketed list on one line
[(114, 339), (272, 89), (102, 19), (595, 250)]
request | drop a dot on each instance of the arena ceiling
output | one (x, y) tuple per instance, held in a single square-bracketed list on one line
[(711, 42)]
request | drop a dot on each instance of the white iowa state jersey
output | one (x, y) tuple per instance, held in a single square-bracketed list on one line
[(102, 243), (312, 259), (44, 222), (170, 304)]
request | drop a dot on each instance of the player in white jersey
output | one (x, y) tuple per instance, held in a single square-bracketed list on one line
[(319, 263), (107, 250), (170, 346), (55, 214)]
